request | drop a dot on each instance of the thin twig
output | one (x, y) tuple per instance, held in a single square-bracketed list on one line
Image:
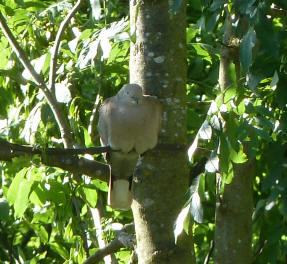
[(93, 119), (207, 258), (56, 46)]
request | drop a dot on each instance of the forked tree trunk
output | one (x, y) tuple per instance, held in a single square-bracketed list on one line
[(158, 63)]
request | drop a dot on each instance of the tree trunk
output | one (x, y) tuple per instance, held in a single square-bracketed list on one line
[(158, 64), (233, 226)]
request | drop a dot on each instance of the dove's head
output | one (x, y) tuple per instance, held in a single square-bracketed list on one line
[(131, 93)]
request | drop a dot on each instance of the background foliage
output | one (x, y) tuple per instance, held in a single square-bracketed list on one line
[(44, 211)]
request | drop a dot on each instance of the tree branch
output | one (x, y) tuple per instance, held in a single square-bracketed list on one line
[(62, 122), (56, 46), (124, 239), (65, 159), (20, 53), (53, 151)]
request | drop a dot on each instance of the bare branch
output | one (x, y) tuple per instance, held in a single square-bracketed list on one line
[(53, 63), (60, 158), (124, 239), (53, 151)]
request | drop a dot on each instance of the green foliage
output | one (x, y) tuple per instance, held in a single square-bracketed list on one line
[(252, 112), (44, 212)]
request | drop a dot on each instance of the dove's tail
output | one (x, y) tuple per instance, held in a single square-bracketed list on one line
[(120, 194)]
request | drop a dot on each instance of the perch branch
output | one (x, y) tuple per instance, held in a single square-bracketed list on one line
[(53, 151), (56, 46), (65, 159)]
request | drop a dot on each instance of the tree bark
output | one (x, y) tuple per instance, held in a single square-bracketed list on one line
[(158, 64), (233, 229), (233, 226)]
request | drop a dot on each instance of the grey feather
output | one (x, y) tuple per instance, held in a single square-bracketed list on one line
[(128, 122)]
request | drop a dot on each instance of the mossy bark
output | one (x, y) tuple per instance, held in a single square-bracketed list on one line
[(158, 64)]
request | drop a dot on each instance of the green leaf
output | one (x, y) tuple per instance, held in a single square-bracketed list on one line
[(216, 4), (224, 159), (4, 209), (43, 234), (202, 51), (179, 223), (57, 193), (87, 136), (13, 190), (227, 177), (212, 165), (283, 206), (60, 249), (267, 35), (18, 193), (246, 47), (100, 185), (186, 224), (196, 208), (243, 6), (213, 20), (90, 193), (274, 81), (238, 156)]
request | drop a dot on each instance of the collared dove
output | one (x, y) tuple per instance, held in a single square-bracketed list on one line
[(128, 122)]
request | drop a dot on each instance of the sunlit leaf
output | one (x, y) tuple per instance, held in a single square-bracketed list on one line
[(214, 122), (205, 131), (212, 165), (96, 9), (63, 94), (193, 147), (238, 157), (196, 208), (18, 193), (274, 81), (179, 224)]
